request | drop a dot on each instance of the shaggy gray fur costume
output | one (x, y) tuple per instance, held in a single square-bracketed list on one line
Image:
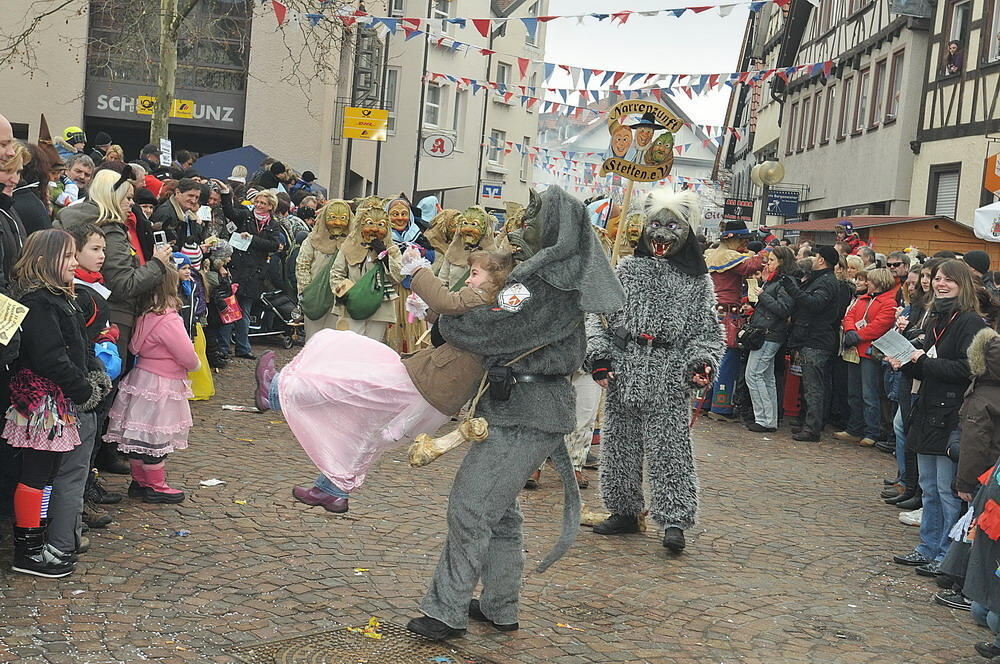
[(647, 411), (566, 276)]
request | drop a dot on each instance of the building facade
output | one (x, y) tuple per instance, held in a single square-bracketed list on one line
[(285, 90), (959, 116)]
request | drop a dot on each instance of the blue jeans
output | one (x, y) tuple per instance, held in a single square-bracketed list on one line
[(224, 337), (760, 383), (241, 328), (864, 383), (273, 398), (328, 487), (897, 427), (986, 618), (941, 506)]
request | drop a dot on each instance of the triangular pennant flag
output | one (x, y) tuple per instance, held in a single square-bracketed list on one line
[(587, 73), (756, 6), (460, 22), (314, 19), (726, 10), (280, 10), (547, 70), (391, 23), (546, 19), (622, 17), (483, 25), (617, 76), (698, 10), (523, 64), (635, 78), (411, 33), (677, 12), (607, 77), (531, 24)]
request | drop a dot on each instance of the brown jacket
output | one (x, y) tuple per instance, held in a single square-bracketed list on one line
[(446, 377), (980, 414)]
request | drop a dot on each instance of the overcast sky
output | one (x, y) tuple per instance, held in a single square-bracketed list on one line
[(692, 44)]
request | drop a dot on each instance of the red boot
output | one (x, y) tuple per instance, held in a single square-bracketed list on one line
[(156, 489), (137, 487)]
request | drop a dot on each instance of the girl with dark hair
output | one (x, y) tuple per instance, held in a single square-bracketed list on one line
[(55, 378), (954, 60), (774, 307), (31, 199), (941, 366)]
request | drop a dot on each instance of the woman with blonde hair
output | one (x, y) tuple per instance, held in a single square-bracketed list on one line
[(12, 233), (126, 272)]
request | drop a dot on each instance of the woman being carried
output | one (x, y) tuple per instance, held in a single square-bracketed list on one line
[(348, 398)]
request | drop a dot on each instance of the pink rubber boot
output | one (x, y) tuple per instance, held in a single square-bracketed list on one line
[(136, 487), (156, 489)]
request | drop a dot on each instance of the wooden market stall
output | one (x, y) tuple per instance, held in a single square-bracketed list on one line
[(886, 234)]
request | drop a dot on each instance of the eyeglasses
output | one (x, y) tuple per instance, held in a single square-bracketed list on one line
[(894, 264), (128, 173)]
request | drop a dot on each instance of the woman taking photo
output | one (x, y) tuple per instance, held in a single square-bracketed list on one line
[(774, 307), (941, 365)]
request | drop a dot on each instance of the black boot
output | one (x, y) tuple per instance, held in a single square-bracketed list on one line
[(913, 503), (673, 539), (433, 629), (110, 461), (31, 557), (618, 524)]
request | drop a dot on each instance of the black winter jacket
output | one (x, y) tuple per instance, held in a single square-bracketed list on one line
[(773, 311), (54, 343), (34, 215), (248, 267), (818, 312), (944, 379)]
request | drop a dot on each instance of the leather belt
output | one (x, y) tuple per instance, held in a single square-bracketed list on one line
[(539, 378)]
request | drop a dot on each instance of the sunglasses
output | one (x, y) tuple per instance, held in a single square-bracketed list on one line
[(894, 264), (128, 173)]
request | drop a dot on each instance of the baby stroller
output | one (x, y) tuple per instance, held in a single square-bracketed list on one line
[(274, 314)]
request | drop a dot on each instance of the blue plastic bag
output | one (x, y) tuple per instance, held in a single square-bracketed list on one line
[(107, 353)]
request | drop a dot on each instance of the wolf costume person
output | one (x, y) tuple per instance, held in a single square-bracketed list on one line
[(665, 341), (540, 315)]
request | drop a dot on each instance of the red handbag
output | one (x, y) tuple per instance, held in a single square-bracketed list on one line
[(232, 312)]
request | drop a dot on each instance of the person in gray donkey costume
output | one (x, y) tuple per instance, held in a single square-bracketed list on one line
[(538, 324), (649, 355)]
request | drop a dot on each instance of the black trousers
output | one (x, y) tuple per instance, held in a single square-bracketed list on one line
[(815, 387), (38, 467)]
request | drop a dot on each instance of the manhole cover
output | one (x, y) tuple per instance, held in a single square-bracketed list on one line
[(343, 646)]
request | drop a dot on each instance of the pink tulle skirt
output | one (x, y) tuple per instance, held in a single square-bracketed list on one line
[(150, 415), (348, 399)]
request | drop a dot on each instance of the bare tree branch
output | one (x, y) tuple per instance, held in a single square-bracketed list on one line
[(17, 48)]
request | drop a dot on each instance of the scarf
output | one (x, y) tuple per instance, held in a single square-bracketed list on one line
[(88, 276), (262, 220), (133, 238)]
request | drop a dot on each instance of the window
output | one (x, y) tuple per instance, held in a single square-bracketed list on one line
[(816, 118), (861, 101), (831, 99), (800, 143), (960, 21), (458, 116), (994, 36), (790, 143), (895, 87), (391, 96), (397, 7), (498, 143), (441, 9), (503, 73), (534, 92), (845, 108), (878, 89), (943, 191), (433, 105), (525, 162), (531, 35)]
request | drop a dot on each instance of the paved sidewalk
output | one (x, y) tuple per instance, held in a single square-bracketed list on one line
[(790, 563)]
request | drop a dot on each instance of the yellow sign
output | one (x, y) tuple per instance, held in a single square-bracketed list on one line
[(180, 108), (370, 124), (642, 140)]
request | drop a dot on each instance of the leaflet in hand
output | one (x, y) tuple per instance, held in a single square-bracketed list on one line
[(239, 242), (895, 345)]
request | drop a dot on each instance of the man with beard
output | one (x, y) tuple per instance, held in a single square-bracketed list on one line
[(649, 355)]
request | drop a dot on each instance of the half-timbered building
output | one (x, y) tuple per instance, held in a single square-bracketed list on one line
[(959, 117), (846, 134)]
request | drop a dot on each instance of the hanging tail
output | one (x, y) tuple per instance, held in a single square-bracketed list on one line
[(571, 506)]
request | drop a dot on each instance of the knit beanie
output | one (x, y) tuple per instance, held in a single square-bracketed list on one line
[(102, 138), (144, 196), (180, 260), (75, 135), (192, 252), (978, 261), (829, 254)]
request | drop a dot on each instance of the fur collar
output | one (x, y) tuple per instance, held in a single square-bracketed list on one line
[(984, 353)]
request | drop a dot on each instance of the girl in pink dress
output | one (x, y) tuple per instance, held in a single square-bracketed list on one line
[(348, 398), (151, 417)]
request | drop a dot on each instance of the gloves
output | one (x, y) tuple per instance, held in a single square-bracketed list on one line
[(415, 308), (601, 369), (703, 370), (377, 246), (791, 285), (851, 338), (100, 387), (413, 261)]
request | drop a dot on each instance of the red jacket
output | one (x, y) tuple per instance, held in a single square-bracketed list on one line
[(856, 243), (878, 314)]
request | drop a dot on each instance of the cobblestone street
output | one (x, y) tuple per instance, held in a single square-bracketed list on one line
[(790, 563)]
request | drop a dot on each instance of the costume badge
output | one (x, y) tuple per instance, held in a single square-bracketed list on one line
[(513, 298)]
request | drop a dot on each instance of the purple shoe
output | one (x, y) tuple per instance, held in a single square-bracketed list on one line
[(264, 374), (313, 496)]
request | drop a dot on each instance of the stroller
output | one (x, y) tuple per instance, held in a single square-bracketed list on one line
[(274, 314)]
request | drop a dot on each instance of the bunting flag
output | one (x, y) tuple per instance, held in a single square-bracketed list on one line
[(281, 11)]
